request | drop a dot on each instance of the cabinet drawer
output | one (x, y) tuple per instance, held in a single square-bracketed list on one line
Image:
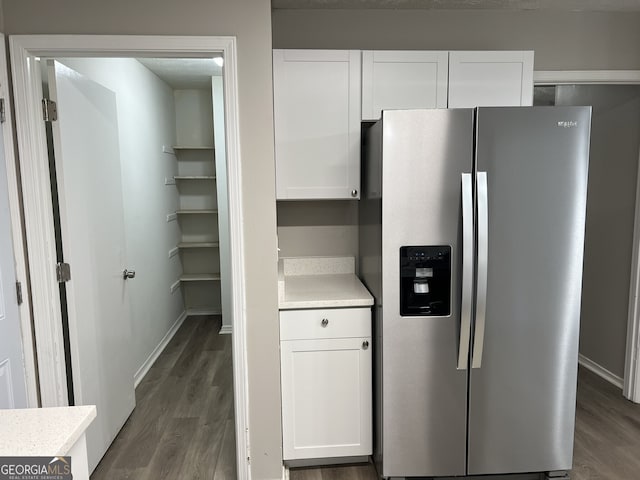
[(325, 323)]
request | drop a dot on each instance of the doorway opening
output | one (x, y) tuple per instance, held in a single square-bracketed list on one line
[(91, 187), (136, 173), (164, 157)]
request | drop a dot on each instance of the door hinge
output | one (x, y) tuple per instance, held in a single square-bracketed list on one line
[(3, 114), (19, 292), (63, 272), (49, 110)]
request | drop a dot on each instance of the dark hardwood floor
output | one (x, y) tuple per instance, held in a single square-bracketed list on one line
[(607, 441), (182, 426)]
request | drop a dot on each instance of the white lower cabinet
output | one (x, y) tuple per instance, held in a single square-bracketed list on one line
[(326, 384)]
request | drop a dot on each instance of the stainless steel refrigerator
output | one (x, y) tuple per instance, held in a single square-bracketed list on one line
[(471, 241)]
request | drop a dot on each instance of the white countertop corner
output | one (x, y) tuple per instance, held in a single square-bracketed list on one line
[(320, 282), (43, 432)]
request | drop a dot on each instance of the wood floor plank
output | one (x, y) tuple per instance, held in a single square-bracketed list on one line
[(607, 437), (346, 472), (203, 455), (170, 452), (200, 391), (226, 464), (305, 474)]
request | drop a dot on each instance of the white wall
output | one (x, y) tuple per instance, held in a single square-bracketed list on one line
[(194, 121), (318, 228), (146, 122), (561, 40)]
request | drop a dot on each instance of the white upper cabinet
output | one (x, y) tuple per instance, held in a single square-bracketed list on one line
[(481, 79), (317, 95), (393, 80)]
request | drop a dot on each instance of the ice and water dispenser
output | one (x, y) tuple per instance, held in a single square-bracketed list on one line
[(425, 281)]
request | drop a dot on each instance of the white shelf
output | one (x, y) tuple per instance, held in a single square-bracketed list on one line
[(200, 277), (194, 177), (197, 212), (198, 245)]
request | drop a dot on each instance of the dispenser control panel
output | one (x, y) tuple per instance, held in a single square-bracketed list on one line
[(425, 280)]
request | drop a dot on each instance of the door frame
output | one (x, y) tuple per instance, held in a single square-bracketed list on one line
[(631, 381), (25, 51), (19, 245)]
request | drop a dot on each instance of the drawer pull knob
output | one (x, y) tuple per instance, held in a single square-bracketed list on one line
[(365, 345), (324, 322)]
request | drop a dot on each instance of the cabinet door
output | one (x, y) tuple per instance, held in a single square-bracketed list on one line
[(490, 79), (402, 80), (317, 123), (326, 398)]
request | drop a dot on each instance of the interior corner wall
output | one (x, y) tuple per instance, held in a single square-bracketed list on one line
[(250, 22), (561, 40), (318, 228), (146, 122)]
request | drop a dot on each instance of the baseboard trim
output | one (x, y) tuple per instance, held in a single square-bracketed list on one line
[(151, 359), (600, 371), (319, 462), (226, 330), (199, 311)]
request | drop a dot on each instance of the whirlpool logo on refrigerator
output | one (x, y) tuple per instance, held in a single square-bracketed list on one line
[(567, 123)]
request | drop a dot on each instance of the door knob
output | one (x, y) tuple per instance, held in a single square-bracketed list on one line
[(128, 274)]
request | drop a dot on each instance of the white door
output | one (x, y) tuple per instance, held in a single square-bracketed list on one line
[(490, 79), (13, 393), (326, 398), (397, 80), (224, 236), (92, 228), (316, 95)]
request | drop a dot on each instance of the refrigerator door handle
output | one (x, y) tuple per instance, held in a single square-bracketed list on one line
[(467, 271), (483, 257)]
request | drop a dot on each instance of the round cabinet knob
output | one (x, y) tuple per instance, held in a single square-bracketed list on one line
[(365, 345), (354, 193), (324, 322), (128, 274)]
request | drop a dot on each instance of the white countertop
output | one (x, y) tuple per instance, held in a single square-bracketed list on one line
[(43, 432), (320, 282)]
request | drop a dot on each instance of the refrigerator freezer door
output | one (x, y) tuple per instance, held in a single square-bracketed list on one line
[(522, 399), (424, 395)]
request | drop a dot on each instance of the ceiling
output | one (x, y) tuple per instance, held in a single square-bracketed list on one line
[(566, 5), (183, 73)]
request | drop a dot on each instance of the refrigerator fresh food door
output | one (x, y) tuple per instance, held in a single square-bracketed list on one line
[(532, 166), (424, 394)]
